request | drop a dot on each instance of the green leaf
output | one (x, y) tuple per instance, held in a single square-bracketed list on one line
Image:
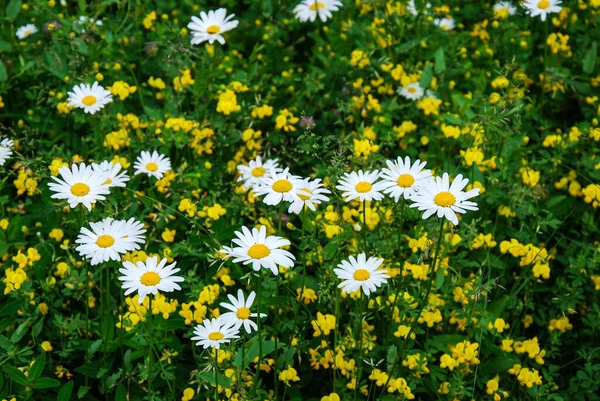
[(19, 332), (439, 278), (4, 46), (65, 392), (392, 355), (440, 62), (13, 8), (45, 382), (121, 394), (88, 370), (3, 73), (38, 366), (589, 61), (15, 374), (426, 77)]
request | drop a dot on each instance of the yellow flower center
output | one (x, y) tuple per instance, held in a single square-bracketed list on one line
[(544, 4), (151, 166), (282, 186), (305, 197), (362, 275), (105, 241), (258, 171), (89, 100), (363, 187), (213, 29), (216, 336), (258, 251), (80, 189), (316, 5), (444, 199), (412, 90), (405, 180), (243, 313), (150, 279)]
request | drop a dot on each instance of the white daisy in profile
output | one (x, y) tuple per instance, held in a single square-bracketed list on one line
[(114, 176), (308, 10), (412, 91), (240, 312), (503, 9), (542, 7), (5, 150), (361, 273), (315, 194), (79, 184), (26, 31), (256, 248), (153, 164), (213, 333), (412, 9), (89, 98), (256, 170), (361, 185), (447, 24), (109, 238), (210, 27), (402, 179), (149, 277), (279, 187), (438, 196)]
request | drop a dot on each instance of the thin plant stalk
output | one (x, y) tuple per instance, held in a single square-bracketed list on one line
[(216, 374)]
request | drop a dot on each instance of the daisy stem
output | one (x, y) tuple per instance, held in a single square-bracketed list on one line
[(545, 56), (301, 256), (335, 333), (217, 374), (365, 226), (260, 354), (363, 302), (150, 354), (391, 318)]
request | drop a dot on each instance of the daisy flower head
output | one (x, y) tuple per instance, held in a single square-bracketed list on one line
[(412, 91), (26, 31), (114, 176), (308, 10), (361, 273), (109, 238), (239, 312), (256, 248), (438, 196), (210, 27), (362, 186), (542, 7), (412, 9), (315, 194), (503, 9), (89, 98), (213, 333), (154, 164), (402, 178), (256, 170), (447, 24), (149, 277), (5, 150), (279, 187), (79, 184)]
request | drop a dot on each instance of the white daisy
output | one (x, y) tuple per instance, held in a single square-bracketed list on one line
[(412, 91), (438, 196), (213, 333), (256, 170), (542, 7), (115, 177), (402, 179), (503, 9), (79, 184), (361, 273), (412, 9), (447, 24), (280, 186), (26, 30), (308, 10), (89, 98), (109, 238), (361, 185), (5, 150), (210, 27), (149, 277), (262, 251), (240, 312), (84, 20), (153, 164), (315, 195)]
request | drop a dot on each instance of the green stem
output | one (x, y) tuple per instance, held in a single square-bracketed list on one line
[(363, 302), (391, 318), (301, 259), (150, 354), (260, 349), (216, 374), (365, 226), (335, 334)]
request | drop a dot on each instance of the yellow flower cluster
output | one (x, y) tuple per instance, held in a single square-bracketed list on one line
[(289, 375), (26, 182), (324, 324), (183, 81), (122, 89), (530, 255), (285, 120), (527, 377), (464, 353), (196, 311), (227, 103), (561, 324), (399, 385)]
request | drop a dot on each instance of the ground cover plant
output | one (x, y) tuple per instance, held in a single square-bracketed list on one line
[(325, 200)]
